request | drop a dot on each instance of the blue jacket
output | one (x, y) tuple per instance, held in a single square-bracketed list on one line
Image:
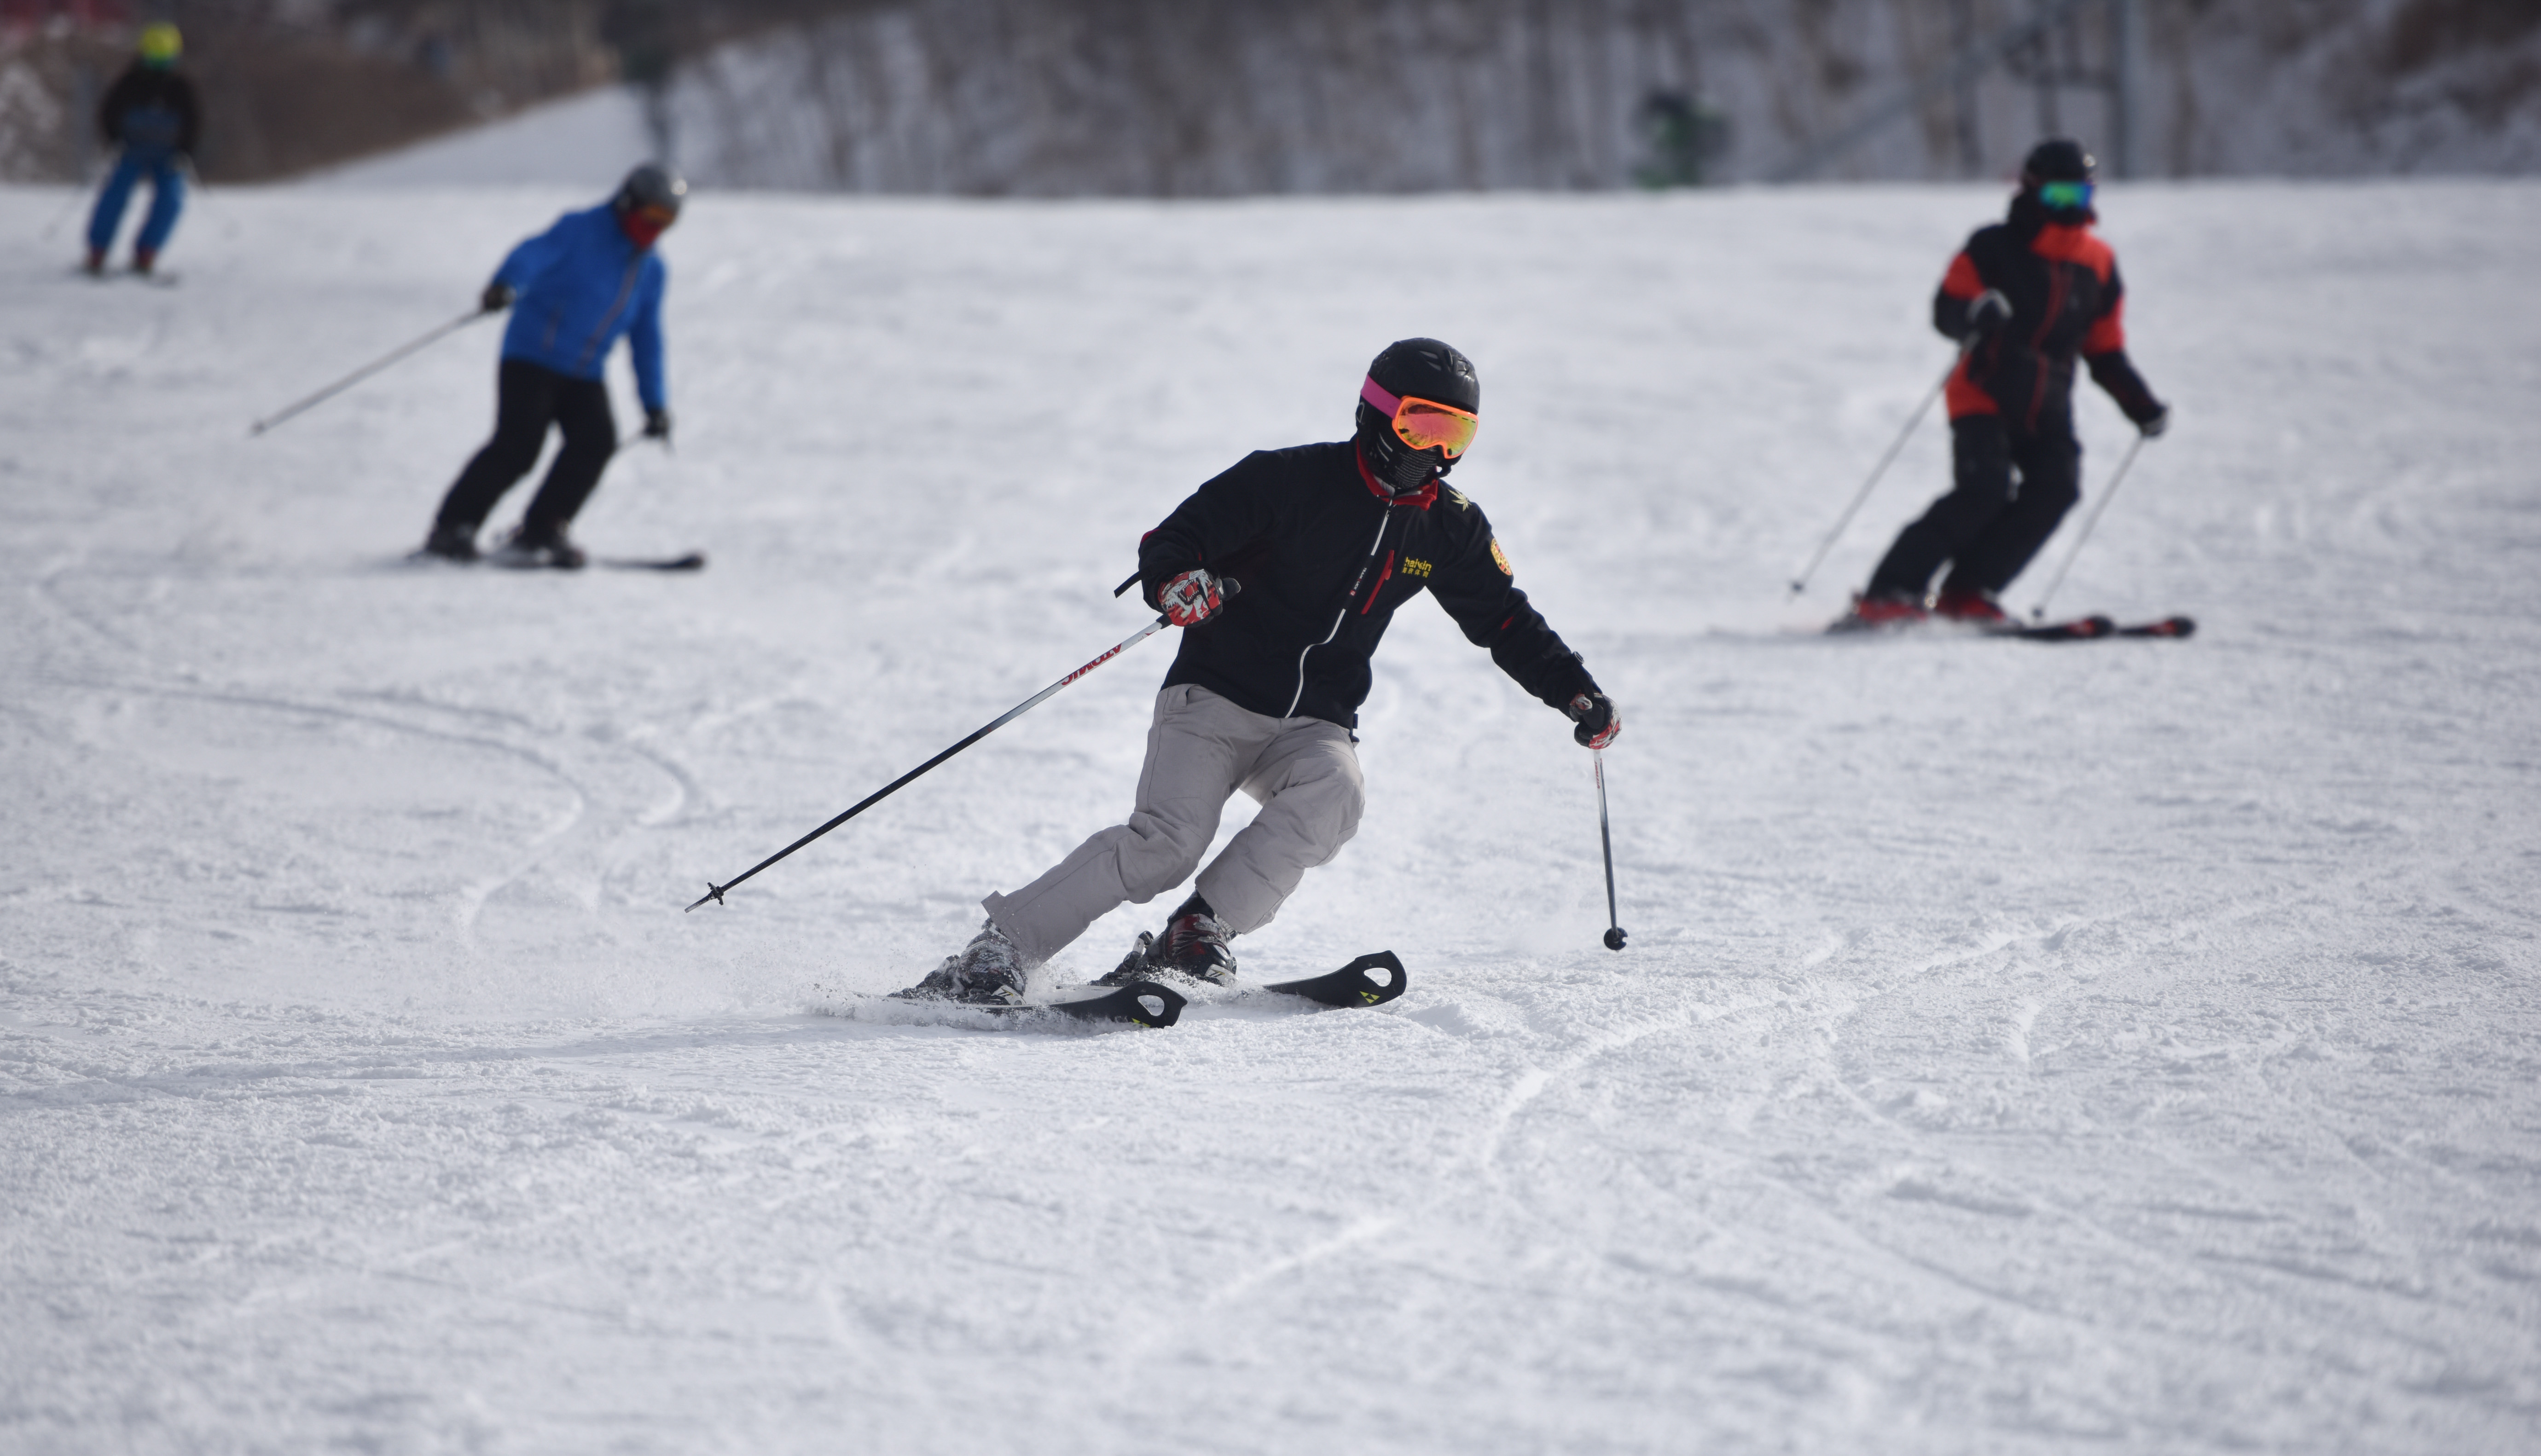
[(578, 286)]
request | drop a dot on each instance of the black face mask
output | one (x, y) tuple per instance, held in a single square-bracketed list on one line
[(2029, 214), (1401, 468)]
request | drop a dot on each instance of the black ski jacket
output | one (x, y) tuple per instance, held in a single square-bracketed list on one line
[(1324, 560), (150, 109), (2066, 298)]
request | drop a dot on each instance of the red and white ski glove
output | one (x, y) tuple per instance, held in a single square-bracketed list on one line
[(1190, 598), (1598, 723)]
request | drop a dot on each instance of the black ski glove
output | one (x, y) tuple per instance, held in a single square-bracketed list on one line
[(1988, 312), (2153, 424), (496, 298), (1598, 723), (657, 425)]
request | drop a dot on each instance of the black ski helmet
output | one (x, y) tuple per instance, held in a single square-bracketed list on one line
[(2059, 159), (1424, 368), (651, 185)]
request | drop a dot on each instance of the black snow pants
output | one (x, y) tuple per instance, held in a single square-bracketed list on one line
[(529, 397), (1991, 524)]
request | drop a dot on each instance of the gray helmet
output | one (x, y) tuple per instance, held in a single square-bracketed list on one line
[(652, 185)]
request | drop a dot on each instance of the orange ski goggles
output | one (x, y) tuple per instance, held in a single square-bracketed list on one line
[(1422, 423)]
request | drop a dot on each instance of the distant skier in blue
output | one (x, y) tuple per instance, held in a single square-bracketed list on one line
[(150, 112), (580, 285)]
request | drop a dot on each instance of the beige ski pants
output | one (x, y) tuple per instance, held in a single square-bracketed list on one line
[(1201, 749)]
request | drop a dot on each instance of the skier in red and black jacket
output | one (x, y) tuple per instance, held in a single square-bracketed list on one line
[(1283, 572), (2023, 298)]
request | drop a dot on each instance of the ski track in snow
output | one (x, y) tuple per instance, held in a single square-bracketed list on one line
[(2123, 1047)]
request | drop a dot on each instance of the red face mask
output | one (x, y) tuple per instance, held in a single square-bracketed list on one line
[(643, 225)]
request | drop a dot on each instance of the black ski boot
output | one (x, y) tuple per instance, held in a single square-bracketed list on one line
[(990, 971), (451, 541), (532, 545), (1194, 944)]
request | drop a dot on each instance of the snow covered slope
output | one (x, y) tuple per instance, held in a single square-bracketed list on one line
[(2129, 1047)]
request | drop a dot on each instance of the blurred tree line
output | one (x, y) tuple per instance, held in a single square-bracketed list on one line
[(1209, 97), (1158, 97), (291, 84), (1200, 98)]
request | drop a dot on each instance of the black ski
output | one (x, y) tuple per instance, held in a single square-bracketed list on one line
[(1144, 1003), (155, 278), (694, 560), (2094, 628), (1369, 981), (2166, 627), (2079, 628), (1372, 980)]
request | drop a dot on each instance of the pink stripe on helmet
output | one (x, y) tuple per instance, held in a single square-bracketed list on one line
[(1374, 394)]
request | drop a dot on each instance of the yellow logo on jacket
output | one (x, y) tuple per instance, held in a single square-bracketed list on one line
[(1414, 566), (1500, 558)]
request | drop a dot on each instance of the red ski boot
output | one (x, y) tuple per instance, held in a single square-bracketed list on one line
[(1877, 613), (1975, 608)]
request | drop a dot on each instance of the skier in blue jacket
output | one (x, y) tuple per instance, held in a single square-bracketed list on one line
[(573, 291)]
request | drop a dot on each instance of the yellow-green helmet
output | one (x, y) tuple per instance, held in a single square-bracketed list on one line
[(161, 44)]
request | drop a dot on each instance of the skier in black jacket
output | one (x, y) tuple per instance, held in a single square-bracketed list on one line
[(2023, 297), (1283, 572), (150, 112)]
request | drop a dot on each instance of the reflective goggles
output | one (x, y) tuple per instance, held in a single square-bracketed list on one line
[(1422, 423), (2065, 196)]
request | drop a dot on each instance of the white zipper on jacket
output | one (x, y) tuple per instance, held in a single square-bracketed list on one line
[(1383, 520)]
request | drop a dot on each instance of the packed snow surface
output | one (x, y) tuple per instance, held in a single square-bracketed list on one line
[(2125, 1047)]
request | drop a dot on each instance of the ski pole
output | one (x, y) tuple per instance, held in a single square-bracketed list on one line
[(198, 195), (367, 370), (70, 205), (2039, 611), (1606, 838), (715, 891), (1800, 583)]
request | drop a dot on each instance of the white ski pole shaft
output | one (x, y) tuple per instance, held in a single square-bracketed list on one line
[(64, 213), (2107, 493), (367, 370), (1606, 840), (70, 204), (1800, 583), (715, 891)]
